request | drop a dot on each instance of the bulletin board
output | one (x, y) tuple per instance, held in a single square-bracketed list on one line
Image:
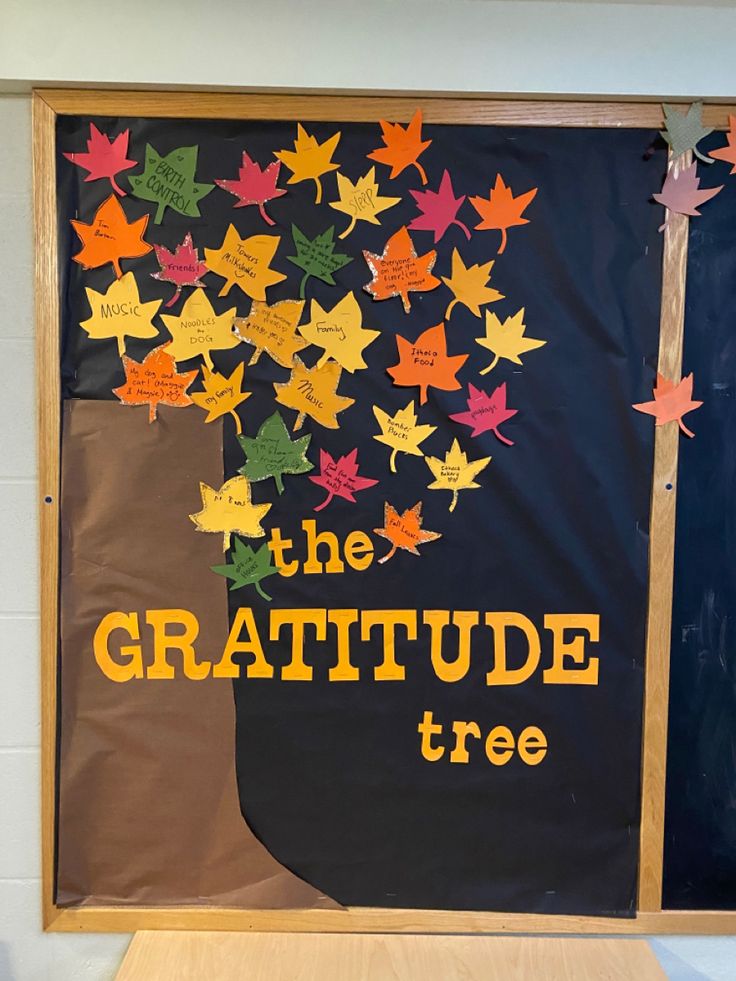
[(356, 562)]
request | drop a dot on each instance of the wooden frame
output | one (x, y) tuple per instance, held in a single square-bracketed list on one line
[(47, 104)]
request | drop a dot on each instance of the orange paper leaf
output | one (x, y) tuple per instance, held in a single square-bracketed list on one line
[(501, 210), (155, 381), (399, 270), (727, 152), (403, 146), (109, 237), (671, 402), (404, 530), (425, 362)]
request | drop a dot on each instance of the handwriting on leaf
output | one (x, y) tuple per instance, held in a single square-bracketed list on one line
[(249, 567), (182, 267), (425, 362), (313, 392), (486, 412), (403, 147), (728, 152), (199, 330), (104, 157), (438, 210), (340, 478), (681, 192), (245, 262), (339, 332), (309, 160), (399, 270), (317, 257), (401, 432), (273, 329), (683, 131), (506, 339), (272, 453), (469, 285), (361, 201), (254, 186), (109, 237), (501, 210), (404, 530), (169, 182), (671, 402), (229, 510), (221, 396), (155, 381), (455, 472), (119, 312)]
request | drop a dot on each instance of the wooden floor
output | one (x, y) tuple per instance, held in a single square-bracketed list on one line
[(185, 956)]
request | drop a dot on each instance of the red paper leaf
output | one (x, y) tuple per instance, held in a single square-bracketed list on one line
[(671, 402), (486, 412), (255, 186), (104, 157), (180, 267), (681, 192), (438, 210), (340, 478)]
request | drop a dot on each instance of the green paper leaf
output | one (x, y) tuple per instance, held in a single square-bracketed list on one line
[(684, 131), (169, 182), (249, 567), (317, 256), (272, 453)]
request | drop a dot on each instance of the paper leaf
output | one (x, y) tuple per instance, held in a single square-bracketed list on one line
[(425, 362), (249, 567), (221, 395), (468, 285), (309, 160), (254, 186), (455, 473), (361, 201), (681, 192), (506, 340), (104, 157), (403, 146), (272, 329), (182, 267), (229, 511), (155, 381), (486, 412), (272, 453), (683, 131), (399, 271), (313, 392), (404, 530), (317, 257), (339, 332), (340, 477), (199, 330), (169, 182), (245, 262), (119, 312), (401, 432), (728, 152), (671, 402), (501, 210), (438, 210), (109, 237)]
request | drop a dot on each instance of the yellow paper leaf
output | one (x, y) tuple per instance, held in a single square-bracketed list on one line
[(339, 332), (221, 395), (313, 392), (119, 312), (229, 510), (245, 262), (401, 432), (199, 330), (272, 328), (468, 285), (506, 340), (309, 160), (455, 473), (361, 201)]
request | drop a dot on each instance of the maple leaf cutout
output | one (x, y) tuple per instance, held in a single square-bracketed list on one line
[(221, 396), (199, 330), (248, 567), (340, 477), (272, 453), (401, 432), (339, 332), (455, 472), (169, 182), (317, 256), (245, 262), (468, 285), (361, 201), (109, 237), (229, 510), (119, 312), (403, 146), (273, 329), (309, 160), (399, 271), (154, 381), (255, 186), (104, 157), (182, 267), (683, 131), (681, 192), (486, 412), (671, 402), (506, 340), (728, 152), (425, 362), (404, 530), (438, 210), (501, 210), (313, 392)]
